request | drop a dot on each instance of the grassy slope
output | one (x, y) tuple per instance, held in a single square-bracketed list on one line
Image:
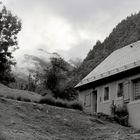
[(14, 94), (21, 120), (30, 121)]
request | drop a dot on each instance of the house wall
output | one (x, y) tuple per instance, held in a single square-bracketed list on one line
[(86, 98), (133, 105), (104, 106), (134, 113)]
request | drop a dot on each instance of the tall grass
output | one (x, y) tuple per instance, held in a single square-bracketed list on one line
[(27, 96), (61, 103)]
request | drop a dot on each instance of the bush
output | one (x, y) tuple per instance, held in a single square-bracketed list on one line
[(120, 114), (47, 100), (68, 93), (76, 105), (60, 103), (19, 98), (26, 100), (121, 111), (122, 120), (44, 92)]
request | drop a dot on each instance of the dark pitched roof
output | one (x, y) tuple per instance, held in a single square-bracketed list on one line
[(120, 60)]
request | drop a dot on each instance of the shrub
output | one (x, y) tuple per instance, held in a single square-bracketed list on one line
[(47, 100), (19, 98), (61, 103), (26, 100), (121, 111), (68, 93), (122, 120), (76, 105), (45, 92), (120, 114)]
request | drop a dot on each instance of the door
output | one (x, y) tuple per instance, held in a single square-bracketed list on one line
[(95, 101)]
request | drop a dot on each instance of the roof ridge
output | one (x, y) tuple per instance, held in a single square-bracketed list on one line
[(129, 45)]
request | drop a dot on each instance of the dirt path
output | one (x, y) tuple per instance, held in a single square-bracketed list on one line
[(26, 121)]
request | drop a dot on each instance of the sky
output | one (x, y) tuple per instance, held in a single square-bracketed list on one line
[(69, 27)]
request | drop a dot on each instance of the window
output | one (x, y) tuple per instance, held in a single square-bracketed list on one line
[(136, 89), (106, 93), (120, 90)]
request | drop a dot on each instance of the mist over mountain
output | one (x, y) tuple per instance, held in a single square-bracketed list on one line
[(30, 63)]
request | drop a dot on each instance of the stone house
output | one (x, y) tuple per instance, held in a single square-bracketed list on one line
[(116, 79)]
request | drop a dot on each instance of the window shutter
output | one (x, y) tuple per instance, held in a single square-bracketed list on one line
[(136, 89), (126, 93)]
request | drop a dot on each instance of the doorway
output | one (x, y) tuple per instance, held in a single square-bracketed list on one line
[(94, 101)]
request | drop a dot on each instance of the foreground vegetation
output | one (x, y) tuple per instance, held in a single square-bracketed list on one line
[(31, 121), (27, 96), (61, 103)]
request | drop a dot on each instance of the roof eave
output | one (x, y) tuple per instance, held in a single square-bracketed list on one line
[(111, 75)]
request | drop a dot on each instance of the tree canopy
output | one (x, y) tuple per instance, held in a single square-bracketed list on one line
[(10, 25)]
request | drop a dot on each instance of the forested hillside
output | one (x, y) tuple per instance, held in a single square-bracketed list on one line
[(126, 32)]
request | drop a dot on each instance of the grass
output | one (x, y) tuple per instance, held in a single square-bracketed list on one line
[(21, 121), (61, 103), (19, 95), (27, 96)]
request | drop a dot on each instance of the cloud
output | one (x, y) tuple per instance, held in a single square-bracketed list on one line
[(70, 27)]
